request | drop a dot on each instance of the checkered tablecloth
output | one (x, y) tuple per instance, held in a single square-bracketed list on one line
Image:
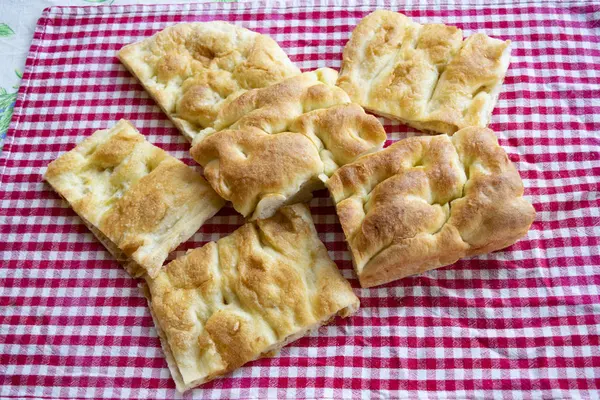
[(520, 323)]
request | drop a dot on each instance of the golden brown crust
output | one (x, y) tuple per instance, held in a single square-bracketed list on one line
[(425, 202), (141, 202), (273, 146), (193, 69), (423, 75), (244, 297)]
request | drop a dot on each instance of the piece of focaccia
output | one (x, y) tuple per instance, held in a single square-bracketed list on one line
[(274, 146), (245, 296), (423, 75), (193, 69), (138, 200), (425, 202)]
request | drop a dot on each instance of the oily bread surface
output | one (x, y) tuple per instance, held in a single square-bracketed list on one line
[(193, 69), (425, 202), (274, 146), (423, 75), (138, 198), (243, 297)]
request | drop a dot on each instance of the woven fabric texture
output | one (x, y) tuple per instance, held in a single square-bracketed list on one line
[(521, 323)]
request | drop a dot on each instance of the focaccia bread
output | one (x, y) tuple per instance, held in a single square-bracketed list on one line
[(245, 296), (425, 202), (193, 69), (138, 200), (423, 75), (274, 146)]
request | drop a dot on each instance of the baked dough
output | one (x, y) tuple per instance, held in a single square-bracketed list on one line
[(274, 146), (423, 75), (425, 202), (139, 201), (245, 296), (193, 69)]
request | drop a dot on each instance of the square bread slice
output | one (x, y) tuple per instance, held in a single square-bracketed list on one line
[(423, 75), (425, 202), (193, 69), (245, 296), (273, 146), (138, 200)]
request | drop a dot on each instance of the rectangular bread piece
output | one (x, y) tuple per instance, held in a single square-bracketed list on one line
[(193, 69), (425, 202), (423, 75), (245, 296), (138, 200), (273, 146)]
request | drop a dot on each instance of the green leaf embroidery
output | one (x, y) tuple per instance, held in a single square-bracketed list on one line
[(5, 118), (5, 30), (7, 101)]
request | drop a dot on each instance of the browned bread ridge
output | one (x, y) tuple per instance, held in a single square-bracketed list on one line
[(425, 202)]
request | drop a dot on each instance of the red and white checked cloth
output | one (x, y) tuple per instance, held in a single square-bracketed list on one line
[(521, 323)]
